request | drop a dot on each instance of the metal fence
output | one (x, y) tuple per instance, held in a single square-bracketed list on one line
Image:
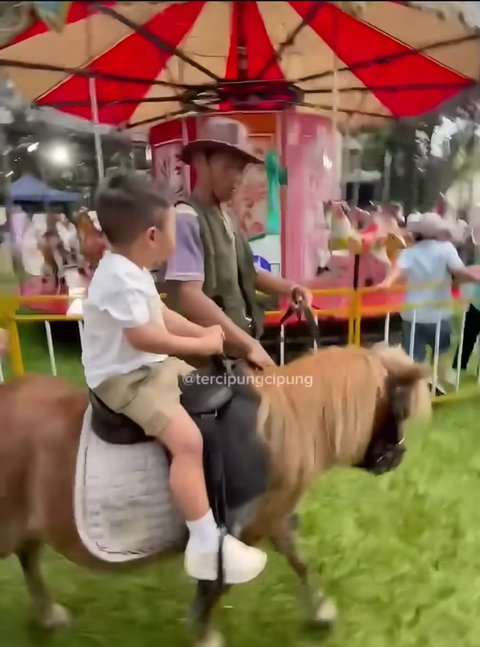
[(352, 306)]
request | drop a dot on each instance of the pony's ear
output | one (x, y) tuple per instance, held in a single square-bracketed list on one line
[(409, 375), (401, 369)]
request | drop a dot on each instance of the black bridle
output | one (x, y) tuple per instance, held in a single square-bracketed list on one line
[(386, 448)]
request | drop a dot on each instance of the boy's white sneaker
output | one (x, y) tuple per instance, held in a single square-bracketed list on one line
[(241, 563)]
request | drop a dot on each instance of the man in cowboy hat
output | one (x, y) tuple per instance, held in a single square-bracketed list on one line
[(430, 262), (211, 278)]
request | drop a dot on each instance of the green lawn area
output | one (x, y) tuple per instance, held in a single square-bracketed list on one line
[(33, 341), (399, 553)]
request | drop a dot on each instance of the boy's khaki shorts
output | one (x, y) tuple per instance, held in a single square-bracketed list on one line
[(150, 396)]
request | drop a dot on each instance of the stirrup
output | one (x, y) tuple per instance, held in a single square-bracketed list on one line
[(220, 581)]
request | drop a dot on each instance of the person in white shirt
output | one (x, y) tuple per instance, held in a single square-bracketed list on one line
[(130, 340), (427, 268)]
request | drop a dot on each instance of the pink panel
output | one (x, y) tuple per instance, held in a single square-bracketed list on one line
[(309, 154)]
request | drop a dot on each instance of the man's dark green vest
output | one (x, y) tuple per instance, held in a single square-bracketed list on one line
[(230, 284)]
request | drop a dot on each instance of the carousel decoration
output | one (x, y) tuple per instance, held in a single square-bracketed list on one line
[(361, 232), (92, 243)]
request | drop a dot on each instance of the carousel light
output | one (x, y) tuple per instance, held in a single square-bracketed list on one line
[(59, 155)]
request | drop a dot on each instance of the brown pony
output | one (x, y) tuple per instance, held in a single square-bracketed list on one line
[(91, 241), (310, 418)]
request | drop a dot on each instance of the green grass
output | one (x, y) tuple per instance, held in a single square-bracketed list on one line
[(399, 553), (33, 342)]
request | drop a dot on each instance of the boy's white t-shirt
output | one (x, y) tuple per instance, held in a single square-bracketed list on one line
[(121, 295)]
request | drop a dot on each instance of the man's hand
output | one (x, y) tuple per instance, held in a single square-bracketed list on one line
[(3, 342), (300, 295), (257, 356)]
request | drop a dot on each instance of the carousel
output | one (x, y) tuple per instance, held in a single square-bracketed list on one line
[(300, 75)]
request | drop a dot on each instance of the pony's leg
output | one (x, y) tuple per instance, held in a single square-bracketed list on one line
[(207, 597), (49, 614), (322, 611)]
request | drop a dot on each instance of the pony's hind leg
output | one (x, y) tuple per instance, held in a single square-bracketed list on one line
[(322, 612), (207, 596), (48, 614)]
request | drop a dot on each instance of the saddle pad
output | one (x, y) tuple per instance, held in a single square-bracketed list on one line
[(122, 502)]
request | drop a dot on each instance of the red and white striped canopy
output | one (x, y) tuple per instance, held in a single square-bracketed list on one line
[(152, 61)]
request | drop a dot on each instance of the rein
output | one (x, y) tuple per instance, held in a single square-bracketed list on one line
[(299, 308)]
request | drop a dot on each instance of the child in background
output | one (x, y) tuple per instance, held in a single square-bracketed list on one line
[(432, 260)]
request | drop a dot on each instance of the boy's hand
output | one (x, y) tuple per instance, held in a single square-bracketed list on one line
[(212, 341), (208, 330)]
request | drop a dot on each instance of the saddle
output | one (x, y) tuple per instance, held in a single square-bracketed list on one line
[(224, 407)]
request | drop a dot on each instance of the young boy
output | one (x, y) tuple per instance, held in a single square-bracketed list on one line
[(429, 262), (129, 342)]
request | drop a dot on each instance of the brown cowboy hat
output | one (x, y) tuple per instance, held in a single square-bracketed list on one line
[(221, 133)]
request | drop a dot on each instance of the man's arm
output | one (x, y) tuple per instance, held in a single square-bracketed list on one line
[(394, 276), (278, 286), (458, 268), (274, 285), (185, 274)]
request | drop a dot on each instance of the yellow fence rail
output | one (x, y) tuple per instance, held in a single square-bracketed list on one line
[(352, 309)]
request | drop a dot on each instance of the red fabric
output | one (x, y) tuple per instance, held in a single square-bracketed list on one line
[(168, 131), (355, 42), (134, 56), (77, 11), (231, 71), (247, 22)]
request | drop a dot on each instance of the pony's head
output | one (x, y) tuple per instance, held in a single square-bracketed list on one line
[(341, 406), (406, 396)]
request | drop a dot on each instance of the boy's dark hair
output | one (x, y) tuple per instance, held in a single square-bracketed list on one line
[(127, 205)]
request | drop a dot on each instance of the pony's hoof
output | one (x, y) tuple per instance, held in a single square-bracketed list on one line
[(57, 617), (212, 639), (326, 614)]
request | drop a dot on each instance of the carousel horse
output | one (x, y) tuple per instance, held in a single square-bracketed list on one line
[(380, 236), (89, 483), (91, 242), (54, 254)]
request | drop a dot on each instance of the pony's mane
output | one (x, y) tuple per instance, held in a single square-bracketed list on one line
[(321, 409)]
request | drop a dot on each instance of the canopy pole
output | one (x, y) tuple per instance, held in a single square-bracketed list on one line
[(337, 139), (92, 90), (96, 134)]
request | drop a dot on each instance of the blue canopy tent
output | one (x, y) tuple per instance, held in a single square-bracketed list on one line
[(31, 189)]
